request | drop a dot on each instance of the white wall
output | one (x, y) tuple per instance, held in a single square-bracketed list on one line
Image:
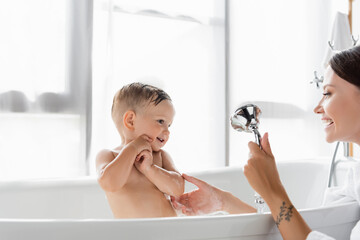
[(275, 49)]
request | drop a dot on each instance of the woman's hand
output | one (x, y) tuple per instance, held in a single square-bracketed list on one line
[(263, 176), (206, 199), (261, 171)]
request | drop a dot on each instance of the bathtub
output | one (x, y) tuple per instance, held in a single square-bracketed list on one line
[(77, 209)]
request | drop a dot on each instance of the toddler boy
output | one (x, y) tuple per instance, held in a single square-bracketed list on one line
[(137, 174)]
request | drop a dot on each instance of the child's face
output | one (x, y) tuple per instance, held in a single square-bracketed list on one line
[(154, 122)]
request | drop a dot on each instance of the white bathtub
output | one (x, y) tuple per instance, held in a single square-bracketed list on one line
[(77, 209)]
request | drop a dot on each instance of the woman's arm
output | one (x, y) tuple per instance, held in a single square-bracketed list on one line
[(262, 174), (207, 199)]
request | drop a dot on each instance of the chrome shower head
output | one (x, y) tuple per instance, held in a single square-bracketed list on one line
[(246, 119)]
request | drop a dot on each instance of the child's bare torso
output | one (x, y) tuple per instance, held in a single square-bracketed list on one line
[(139, 197)]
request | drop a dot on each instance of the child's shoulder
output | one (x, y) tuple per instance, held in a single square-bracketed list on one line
[(164, 154), (109, 153), (104, 157)]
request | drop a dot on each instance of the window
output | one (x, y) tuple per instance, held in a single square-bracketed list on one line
[(43, 107), (272, 61), (177, 46), (62, 62)]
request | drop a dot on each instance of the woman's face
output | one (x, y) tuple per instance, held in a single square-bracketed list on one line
[(340, 109)]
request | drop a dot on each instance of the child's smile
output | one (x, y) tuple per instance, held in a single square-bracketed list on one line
[(155, 122)]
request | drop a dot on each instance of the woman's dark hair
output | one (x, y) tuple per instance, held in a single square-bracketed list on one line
[(346, 64)]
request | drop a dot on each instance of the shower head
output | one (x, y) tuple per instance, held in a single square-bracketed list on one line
[(246, 119)]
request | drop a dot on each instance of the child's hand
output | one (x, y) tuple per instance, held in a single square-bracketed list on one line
[(144, 161), (142, 143)]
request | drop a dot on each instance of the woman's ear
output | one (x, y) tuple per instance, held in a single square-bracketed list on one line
[(128, 120)]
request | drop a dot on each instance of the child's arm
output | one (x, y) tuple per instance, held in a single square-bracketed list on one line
[(113, 172), (167, 179)]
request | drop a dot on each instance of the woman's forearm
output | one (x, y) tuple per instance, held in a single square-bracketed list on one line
[(263, 176), (233, 205), (288, 220)]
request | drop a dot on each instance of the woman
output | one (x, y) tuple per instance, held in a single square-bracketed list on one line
[(340, 112)]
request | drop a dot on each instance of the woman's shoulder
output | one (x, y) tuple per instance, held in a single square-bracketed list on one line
[(349, 190), (353, 176)]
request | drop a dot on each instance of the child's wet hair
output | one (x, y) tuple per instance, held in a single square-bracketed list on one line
[(136, 95)]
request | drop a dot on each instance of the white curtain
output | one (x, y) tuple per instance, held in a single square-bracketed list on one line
[(177, 46), (53, 105), (45, 76)]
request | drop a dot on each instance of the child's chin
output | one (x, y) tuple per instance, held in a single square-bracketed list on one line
[(155, 149)]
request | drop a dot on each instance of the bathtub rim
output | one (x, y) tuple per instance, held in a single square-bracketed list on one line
[(352, 204), (304, 210), (87, 180)]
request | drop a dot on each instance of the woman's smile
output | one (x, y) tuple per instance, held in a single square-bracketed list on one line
[(327, 122), (338, 116)]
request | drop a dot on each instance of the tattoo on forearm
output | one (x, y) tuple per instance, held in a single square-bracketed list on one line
[(284, 212)]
